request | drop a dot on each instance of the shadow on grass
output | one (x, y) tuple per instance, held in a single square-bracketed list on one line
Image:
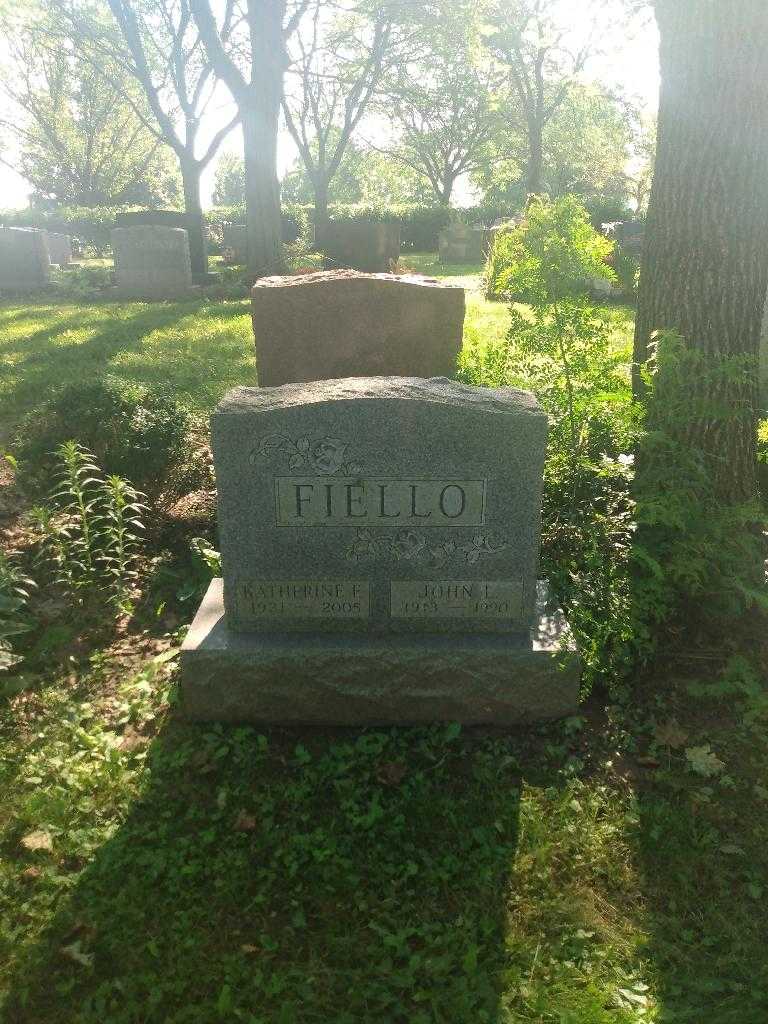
[(702, 851), (195, 346), (291, 878)]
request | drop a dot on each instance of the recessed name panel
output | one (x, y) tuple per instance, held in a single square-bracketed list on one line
[(302, 599), (459, 599), (364, 501)]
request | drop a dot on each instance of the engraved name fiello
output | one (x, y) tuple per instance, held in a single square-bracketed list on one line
[(363, 501)]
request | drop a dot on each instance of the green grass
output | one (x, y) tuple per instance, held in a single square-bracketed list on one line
[(580, 873)]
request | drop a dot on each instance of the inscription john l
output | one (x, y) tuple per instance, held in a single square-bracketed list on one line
[(459, 599), (362, 501)]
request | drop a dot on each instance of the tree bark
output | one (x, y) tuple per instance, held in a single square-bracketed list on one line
[(705, 259), (262, 192), (321, 200), (193, 210), (535, 166)]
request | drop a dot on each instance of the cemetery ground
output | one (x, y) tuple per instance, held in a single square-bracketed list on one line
[(606, 869)]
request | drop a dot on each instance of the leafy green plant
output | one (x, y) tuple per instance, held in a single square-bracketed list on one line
[(15, 587), (136, 432), (550, 256), (697, 558), (573, 355), (90, 529)]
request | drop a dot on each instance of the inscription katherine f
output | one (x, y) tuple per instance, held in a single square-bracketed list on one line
[(302, 599), (362, 501), (456, 599)]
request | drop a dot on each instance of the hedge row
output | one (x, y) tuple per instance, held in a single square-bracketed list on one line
[(419, 225)]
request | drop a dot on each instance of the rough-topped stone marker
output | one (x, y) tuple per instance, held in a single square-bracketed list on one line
[(370, 246), (342, 323), (379, 541), (151, 262), (59, 248), (24, 259)]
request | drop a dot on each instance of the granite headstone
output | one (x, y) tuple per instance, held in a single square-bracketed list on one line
[(461, 243), (343, 323), (59, 248), (379, 541), (370, 246), (151, 262), (25, 262)]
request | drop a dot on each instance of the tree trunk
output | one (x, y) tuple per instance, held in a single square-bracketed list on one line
[(705, 260), (198, 255), (262, 192), (321, 201), (534, 170)]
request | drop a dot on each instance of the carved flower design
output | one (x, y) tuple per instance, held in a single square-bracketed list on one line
[(408, 545), (442, 553), (364, 545), (480, 545), (324, 456), (328, 455)]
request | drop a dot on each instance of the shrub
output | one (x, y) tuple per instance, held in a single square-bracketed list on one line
[(136, 432), (550, 256), (698, 560)]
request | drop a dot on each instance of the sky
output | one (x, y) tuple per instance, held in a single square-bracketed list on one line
[(632, 67)]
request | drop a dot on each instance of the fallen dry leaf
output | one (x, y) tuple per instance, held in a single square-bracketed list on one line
[(131, 739), (670, 734), (391, 773), (30, 874), (74, 952), (38, 840), (249, 949), (244, 822)]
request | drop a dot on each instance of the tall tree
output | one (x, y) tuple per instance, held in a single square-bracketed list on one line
[(544, 50), (445, 118), (81, 133), (705, 263), (247, 49), (158, 44), (336, 64), (584, 152)]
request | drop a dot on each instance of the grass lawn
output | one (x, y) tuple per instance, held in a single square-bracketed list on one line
[(603, 870)]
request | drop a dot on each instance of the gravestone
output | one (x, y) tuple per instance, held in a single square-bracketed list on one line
[(460, 243), (234, 238), (379, 542), (343, 323), (370, 246), (151, 262), (59, 248), (192, 223), (24, 259)]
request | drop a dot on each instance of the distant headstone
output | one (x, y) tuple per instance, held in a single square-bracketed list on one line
[(234, 238), (25, 262), (193, 224), (59, 248), (379, 542), (151, 262), (370, 246), (344, 323), (461, 243)]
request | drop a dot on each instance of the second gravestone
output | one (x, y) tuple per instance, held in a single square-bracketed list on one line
[(379, 542), (151, 262)]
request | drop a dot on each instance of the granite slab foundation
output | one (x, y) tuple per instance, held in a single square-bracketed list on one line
[(347, 680)]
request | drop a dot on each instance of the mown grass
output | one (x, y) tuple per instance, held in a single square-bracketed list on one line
[(603, 870)]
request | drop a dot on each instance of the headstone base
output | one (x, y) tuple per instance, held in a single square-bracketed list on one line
[(343, 680)]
